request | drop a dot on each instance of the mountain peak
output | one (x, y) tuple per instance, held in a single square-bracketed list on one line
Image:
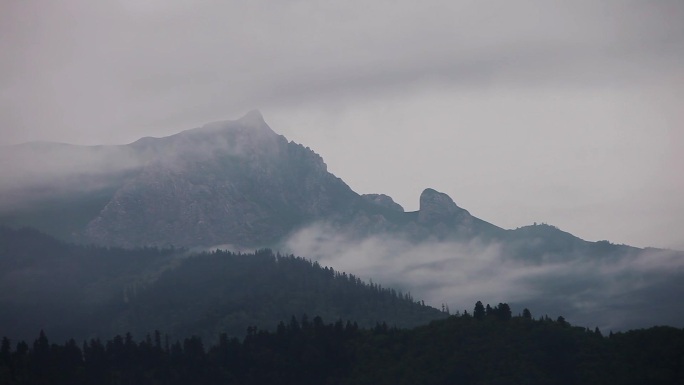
[(253, 118), (251, 124), (431, 197), (437, 205)]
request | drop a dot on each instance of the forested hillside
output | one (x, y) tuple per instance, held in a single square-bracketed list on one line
[(82, 292), (221, 291), (66, 289)]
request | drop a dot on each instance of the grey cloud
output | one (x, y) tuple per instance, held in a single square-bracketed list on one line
[(156, 61), (635, 289)]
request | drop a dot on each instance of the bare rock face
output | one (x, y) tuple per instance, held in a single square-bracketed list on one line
[(442, 218), (233, 182), (436, 207), (383, 200)]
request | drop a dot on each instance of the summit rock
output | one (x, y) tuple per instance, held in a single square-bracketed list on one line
[(438, 206)]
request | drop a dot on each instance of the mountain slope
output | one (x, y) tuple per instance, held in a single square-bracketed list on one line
[(80, 292), (224, 292)]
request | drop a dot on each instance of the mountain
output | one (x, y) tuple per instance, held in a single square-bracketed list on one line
[(232, 183)]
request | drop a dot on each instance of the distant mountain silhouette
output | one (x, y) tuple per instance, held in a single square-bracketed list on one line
[(234, 182)]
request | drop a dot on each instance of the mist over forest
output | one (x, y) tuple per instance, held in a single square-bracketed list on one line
[(587, 289)]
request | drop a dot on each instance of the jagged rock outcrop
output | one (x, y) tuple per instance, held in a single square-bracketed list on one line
[(436, 206), (440, 217)]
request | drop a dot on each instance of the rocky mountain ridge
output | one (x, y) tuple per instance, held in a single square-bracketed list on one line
[(226, 183), (235, 183)]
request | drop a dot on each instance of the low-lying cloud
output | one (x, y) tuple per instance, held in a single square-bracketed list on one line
[(36, 171), (636, 289)]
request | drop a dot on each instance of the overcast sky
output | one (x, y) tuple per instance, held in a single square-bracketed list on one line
[(564, 112)]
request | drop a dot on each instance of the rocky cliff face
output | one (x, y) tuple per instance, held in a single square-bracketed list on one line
[(442, 218), (225, 183), (437, 207)]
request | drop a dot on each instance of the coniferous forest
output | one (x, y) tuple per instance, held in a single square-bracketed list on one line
[(80, 292), (490, 347)]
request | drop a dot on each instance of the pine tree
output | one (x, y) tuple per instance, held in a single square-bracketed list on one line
[(479, 311), (527, 314)]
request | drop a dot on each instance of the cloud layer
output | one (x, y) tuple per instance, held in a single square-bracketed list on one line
[(632, 290)]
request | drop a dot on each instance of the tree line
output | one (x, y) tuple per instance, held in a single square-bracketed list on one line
[(467, 348)]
